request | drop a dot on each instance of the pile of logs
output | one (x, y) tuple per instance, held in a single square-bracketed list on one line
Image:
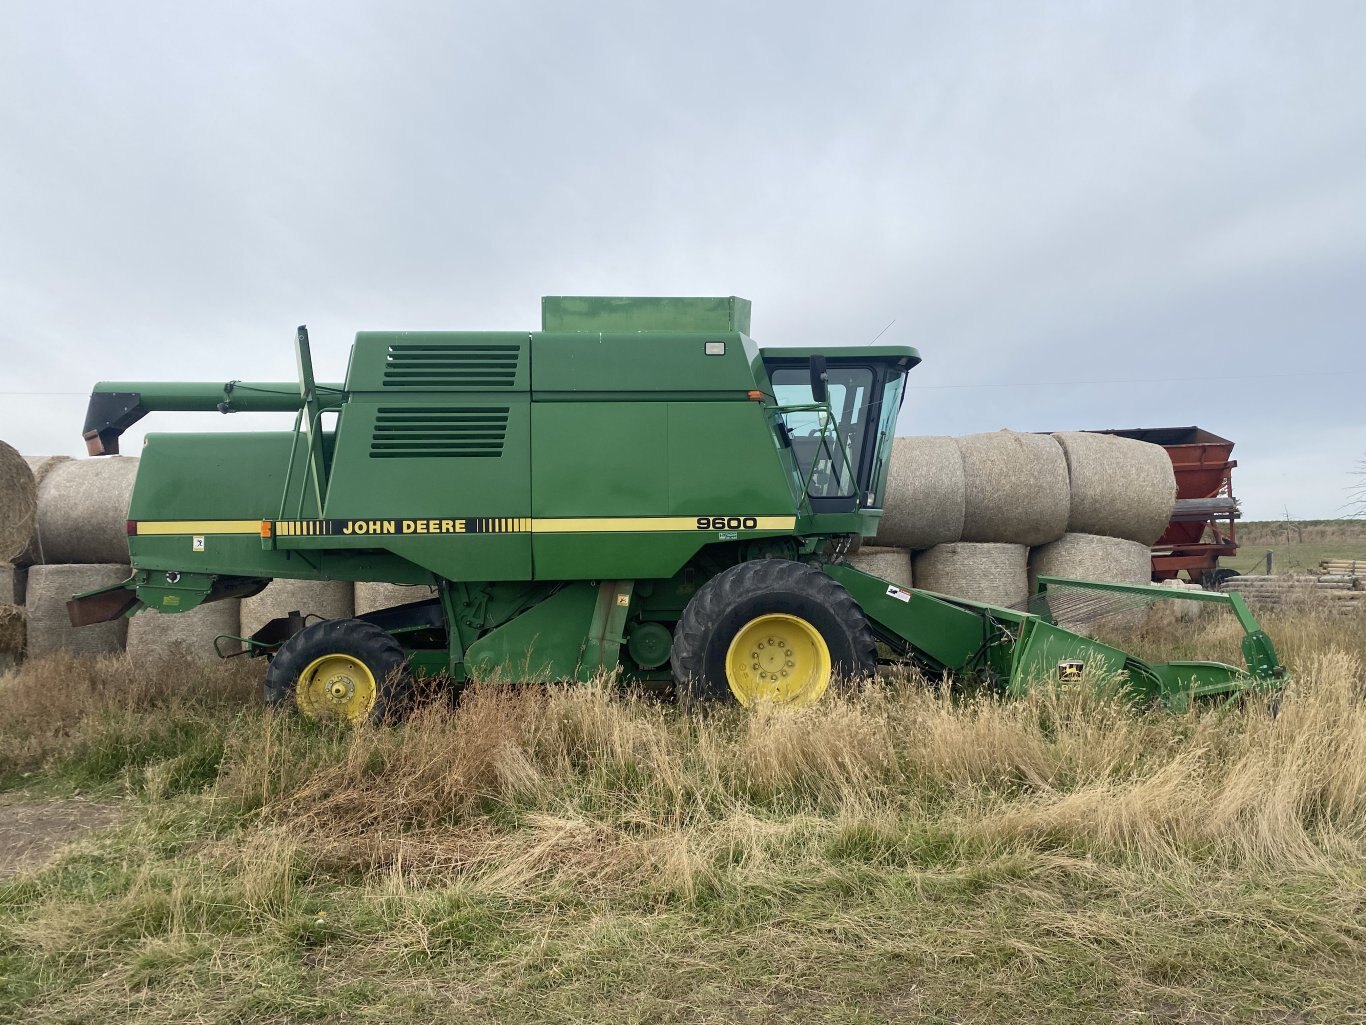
[(1334, 591)]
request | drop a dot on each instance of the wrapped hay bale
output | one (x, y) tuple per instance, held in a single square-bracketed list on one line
[(49, 629), (371, 595), (925, 497), (316, 599), (1120, 487), (985, 572), (891, 564), (13, 629), (1089, 557), (1015, 488), (83, 510), (184, 635), (13, 579), (40, 466), (18, 502)]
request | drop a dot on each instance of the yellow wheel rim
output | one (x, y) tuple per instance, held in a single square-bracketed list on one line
[(336, 687), (778, 658)]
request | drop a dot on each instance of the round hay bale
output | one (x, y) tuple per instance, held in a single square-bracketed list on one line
[(184, 635), (926, 495), (371, 595), (1090, 557), (18, 502), (83, 510), (41, 467), (1015, 488), (985, 572), (316, 599), (13, 579), (49, 629), (1120, 487), (891, 564), (13, 628)]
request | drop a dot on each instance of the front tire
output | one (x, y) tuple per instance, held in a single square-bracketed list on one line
[(770, 631), (344, 670)]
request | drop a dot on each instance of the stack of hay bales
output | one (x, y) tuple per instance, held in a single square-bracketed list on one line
[(1122, 495), (1120, 487), (1091, 557), (986, 514), (13, 635), (891, 564), (50, 587), (63, 525), (18, 510), (1017, 490), (372, 596), (985, 571), (76, 541), (925, 496), (314, 599), (970, 507), (185, 636)]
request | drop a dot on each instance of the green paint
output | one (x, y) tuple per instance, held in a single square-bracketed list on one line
[(546, 642), (631, 447)]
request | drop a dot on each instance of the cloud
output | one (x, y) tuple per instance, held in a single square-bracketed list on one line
[(1168, 201)]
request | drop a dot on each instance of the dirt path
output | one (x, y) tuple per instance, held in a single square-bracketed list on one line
[(32, 829)]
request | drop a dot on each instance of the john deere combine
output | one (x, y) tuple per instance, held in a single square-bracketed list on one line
[(636, 487)]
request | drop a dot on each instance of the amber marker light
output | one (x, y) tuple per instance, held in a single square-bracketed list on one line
[(265, 528)]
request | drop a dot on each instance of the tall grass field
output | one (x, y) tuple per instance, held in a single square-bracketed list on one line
[(523, 854)]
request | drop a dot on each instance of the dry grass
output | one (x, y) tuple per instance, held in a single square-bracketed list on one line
[(572, 854)]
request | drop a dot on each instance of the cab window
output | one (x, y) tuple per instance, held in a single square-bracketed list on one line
[(828, 447)]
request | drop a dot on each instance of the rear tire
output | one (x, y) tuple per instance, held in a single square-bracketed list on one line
[(770, 630), (1216, 578), (340, 669)]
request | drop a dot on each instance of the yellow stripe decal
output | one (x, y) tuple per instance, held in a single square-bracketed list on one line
[(498, 525), (198, 527)]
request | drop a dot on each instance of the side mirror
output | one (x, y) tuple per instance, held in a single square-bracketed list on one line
[(818, 379)]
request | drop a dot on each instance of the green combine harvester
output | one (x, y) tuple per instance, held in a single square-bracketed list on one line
[(636, 488)]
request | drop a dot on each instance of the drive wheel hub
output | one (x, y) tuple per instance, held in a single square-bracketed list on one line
[(780, 659), (336, 687)]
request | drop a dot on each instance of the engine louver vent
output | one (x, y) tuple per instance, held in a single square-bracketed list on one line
[(439, 432), (474, 366)]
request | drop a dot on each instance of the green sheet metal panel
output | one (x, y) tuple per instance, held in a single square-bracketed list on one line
[(583, 367), (463, 460), (600, 459), (545, 643), (218, 476), (644, 313), (724, 459)]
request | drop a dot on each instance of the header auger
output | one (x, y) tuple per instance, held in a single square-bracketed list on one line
[(637, 487)]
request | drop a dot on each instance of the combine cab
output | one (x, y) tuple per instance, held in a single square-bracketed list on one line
[(638, 488)]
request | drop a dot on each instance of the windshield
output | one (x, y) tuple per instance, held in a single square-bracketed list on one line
[(827, 452), (886, 430)]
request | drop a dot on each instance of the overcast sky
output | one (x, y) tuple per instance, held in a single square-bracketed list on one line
[(1085, 215)]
